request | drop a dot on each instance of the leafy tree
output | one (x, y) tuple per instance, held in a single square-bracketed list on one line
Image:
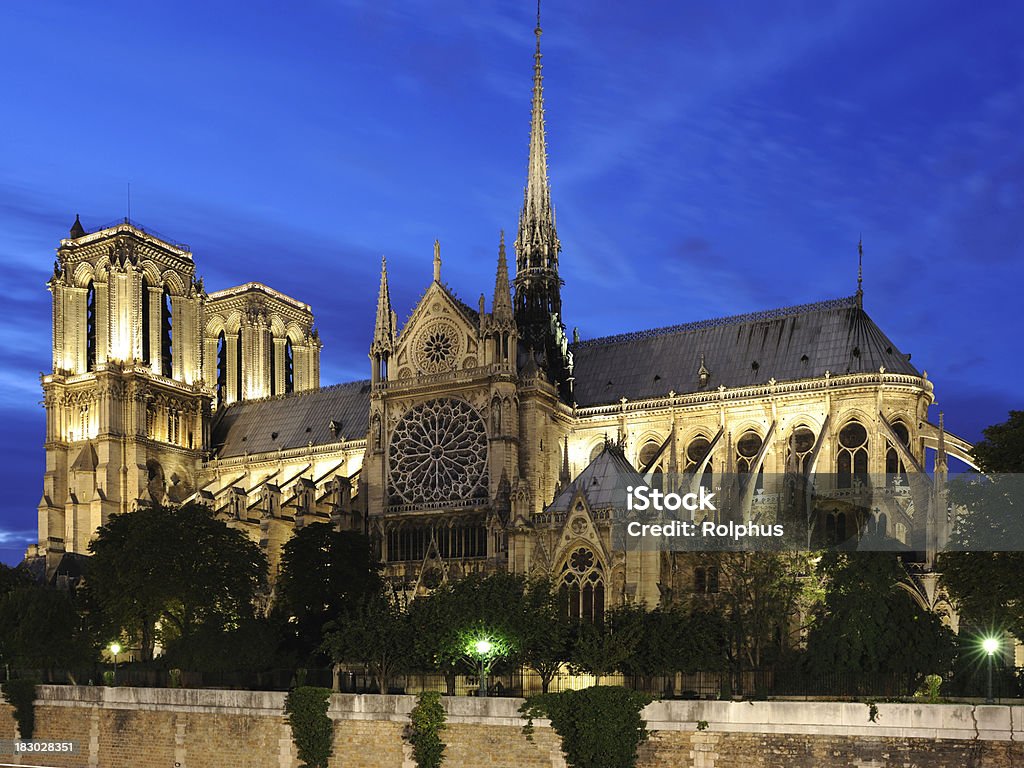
[(41, 629), (547, 630), (674, 639), (324, 574), (427, 720), (176, 567), (603, 648), (986, 582), (252, 645), (11, 578), (312, 730), (868, 623), (759, 595), (378, 634)]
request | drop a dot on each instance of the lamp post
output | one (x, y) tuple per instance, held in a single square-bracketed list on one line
[(115, 648), (483, 648), (990, 645)]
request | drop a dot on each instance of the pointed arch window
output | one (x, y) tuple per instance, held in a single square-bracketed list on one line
[(852, 459), (222, 369), (798, 450), (289, 367), (747, 448), (90, 327), (145, 321), (696, 452), (166, 335), (647, 454), (583, 586), (273, 368), (238, 367), (895, 470), (705, 579)]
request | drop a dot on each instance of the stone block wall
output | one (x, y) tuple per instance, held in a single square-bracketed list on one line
[(183, 728)]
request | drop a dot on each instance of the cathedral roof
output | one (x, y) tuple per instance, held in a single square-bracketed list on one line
[(786, 344), (603, 483), (318, 417)]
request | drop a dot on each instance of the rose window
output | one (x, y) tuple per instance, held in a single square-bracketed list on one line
[(437, 348), (581, 560), (438, 453)]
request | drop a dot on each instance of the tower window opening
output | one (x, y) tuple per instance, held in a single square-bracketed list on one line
[(90, 327), (289, 367), (273, 368), (166, 336), (238, 367), (145, 321), (852, 461), (222, 369)]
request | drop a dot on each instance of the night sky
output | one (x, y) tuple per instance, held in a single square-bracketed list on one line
[(706, 159)]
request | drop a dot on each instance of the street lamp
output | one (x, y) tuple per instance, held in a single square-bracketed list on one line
[(483, 648), (115, 648), (990, 645)]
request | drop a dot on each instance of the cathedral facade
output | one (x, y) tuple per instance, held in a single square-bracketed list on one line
[(484, 438)]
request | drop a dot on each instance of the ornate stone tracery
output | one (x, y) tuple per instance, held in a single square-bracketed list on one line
[(438, 453)]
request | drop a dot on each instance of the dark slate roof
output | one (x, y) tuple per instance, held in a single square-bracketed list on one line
[(603, 482), (297, 420), (785, 344)]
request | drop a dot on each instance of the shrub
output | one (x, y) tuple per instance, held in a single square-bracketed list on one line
[(312, 730), (600, 727), (21, 694), (424, 733)]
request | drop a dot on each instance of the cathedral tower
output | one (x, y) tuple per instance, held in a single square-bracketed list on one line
[(538, 299), (126, 407)]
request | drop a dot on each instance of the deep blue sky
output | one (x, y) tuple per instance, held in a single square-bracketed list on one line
[(706, 159)]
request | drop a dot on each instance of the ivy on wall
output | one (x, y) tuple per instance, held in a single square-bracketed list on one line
[(312, 729)]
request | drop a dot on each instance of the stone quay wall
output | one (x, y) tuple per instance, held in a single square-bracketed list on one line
[(187, 728)]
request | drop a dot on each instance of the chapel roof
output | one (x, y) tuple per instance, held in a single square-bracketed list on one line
[(603, 482), (787, 344)]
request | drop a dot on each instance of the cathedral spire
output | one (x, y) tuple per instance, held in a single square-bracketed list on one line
[(538, 298), (860, 272), (501, 306), (384, 329), (437, 261)]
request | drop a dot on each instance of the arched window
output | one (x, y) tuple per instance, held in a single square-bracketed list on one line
[(705, 580), (596, 451), (582, 585), (852, 460), (798, 450), (166, 336), (696, 451), (895, 471), (145, 321), (222, 369), (289, 367), (238, 366), (647, 454), (273, 368), (90, 327), (747, 448)]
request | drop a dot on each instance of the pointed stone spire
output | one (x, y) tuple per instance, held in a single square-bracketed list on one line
[(384, 330), (501, 305), (941, 463), (538, 299), (437, 261), (860, 272), (563, 476)]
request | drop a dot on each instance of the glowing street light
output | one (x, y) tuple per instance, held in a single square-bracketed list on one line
[(990, 645), (115, 648), (484, 649)]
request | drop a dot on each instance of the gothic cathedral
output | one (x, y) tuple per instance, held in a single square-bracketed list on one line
[(482, 440)]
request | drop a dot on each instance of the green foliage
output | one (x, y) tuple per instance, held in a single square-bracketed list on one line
[(41, 629), (869, 623), (174, 678), (11, 578), (175, 567), (250, 645), (702, 725), (600, 727), (312, 730), (324, 574), (600, 649), (930, 689), (872, 712), (546, 631), (427, 721), (986, 584), (109, 678), (21, 694), (673, 639), (378, 634)]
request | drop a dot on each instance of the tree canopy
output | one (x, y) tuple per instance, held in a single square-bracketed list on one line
[(178, 568)]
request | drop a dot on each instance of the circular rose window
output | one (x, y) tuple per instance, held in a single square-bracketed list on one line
[(437, 347), (438, 453)]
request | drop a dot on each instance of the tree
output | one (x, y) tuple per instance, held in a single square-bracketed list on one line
[(547, 630), (601, 649), (675, 639), (378, 634), (868, 623), (11, 578), (41, 629), (324, 574), (175, 567), (982, 572)]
